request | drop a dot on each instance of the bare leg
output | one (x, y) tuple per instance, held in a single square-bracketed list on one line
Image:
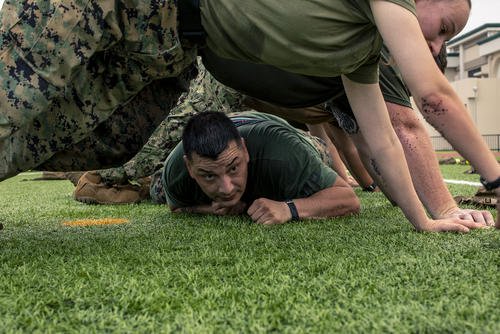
[(350, 155), (338, 165)]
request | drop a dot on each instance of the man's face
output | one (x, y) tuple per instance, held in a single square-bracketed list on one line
[(441, 20), (224, 179)]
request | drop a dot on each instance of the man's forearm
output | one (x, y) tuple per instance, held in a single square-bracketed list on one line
[(421, 159), (337, 200), (215, 208), (201, 209), (386, 153), (446, 114)]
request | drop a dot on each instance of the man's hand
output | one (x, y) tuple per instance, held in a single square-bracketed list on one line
[(269, 212), (215, 208), (220, 208), (483, 217), (450, 225)]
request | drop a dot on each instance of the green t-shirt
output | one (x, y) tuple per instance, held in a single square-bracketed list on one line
[(320, 38), (391, 82), (283, 165), (293, 90)]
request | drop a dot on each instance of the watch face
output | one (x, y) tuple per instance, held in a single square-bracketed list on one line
[(371, 187)]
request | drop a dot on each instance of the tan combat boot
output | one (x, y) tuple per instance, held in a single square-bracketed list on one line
[(91, 190), (73, 177)]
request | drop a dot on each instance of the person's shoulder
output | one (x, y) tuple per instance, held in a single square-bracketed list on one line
[(175, 158), (407, 4), (278, 142), (179, 187), (175, 172)]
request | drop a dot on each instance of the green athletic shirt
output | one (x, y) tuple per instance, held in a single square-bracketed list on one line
[(283, 165), (391, 82), (316, 37)]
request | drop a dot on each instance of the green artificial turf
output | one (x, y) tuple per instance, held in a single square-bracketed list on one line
[(204, 274)]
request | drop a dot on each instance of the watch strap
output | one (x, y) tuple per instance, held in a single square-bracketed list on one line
[(293, 209), (371, 187), (490, 185)]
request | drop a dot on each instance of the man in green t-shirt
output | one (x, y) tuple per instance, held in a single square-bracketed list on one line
[(254, 162)]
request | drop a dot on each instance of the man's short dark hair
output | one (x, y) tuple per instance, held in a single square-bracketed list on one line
[(208, 134)]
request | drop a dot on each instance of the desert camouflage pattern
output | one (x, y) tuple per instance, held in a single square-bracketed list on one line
[(67, 65)]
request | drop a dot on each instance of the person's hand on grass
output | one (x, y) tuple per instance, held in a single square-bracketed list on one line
[(215, 208), (450, 225), (483, 217), (221, 209), (269, 212)]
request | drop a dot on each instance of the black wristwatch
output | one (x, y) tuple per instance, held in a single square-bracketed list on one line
[(371, 187), (490, 185), (293, 209)]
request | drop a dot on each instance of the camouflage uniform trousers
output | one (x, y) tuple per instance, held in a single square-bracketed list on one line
[(117, 139), (66, 66)]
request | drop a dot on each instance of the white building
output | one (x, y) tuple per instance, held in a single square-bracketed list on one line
[(474, 71)]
